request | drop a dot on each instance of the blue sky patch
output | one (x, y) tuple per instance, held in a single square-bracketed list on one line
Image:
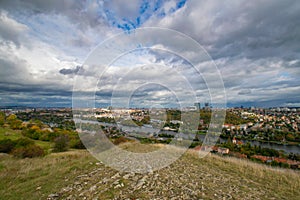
[(146, 10)]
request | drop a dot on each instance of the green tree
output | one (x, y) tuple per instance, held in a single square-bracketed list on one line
[(290, 137), (61, 143), (29, 151), (11, 118), (6, 145), (2, 118)]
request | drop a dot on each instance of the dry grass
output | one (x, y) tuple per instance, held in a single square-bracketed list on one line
[(137, 147), (275, 182), (21, 178), (209, 177)]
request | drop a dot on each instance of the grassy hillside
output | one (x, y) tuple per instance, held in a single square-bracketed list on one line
[(35, 178), (7, 133), (76, 174)]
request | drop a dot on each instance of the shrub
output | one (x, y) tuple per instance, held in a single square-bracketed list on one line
[(52, 136), (269, 152), (77, 144), (2, 118), (256, 160), (274, 163), (120, 140), (145, 140), (285, 165), (34, 132), (23, 142), (28, 151), (6, 145), (22, 147), (61, 143), (14, 122), (44, 136), (194, 144)]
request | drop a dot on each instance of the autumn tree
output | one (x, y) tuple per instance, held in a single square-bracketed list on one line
[(14, 122)]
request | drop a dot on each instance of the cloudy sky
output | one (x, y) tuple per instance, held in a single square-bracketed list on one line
[(46, 49)]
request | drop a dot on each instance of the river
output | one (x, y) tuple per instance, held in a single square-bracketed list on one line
[(286, 148), (147, 131)]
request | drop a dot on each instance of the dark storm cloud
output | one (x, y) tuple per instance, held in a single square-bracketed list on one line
[(13, 71), (70, 71), (255, 44), (252, 29), (77, 11), (32, 89), (243, 92)]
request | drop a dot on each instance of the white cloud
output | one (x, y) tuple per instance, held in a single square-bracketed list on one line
[(10, 29), (255, 45)]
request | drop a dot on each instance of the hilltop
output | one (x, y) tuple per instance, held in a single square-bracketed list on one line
[(77, 175)]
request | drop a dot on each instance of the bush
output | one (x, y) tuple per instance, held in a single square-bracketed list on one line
[(194, 144), (2, 118), (6, 145), (16, 125), (77, 144), (256, 160), (28, 151), (61, 143), (14, 122), (274, 163), (52, 136), (120, 140), (44, 136), (147, 141), (22, 147), (285, 165), (269, 152), (23, 142), (34, 132)]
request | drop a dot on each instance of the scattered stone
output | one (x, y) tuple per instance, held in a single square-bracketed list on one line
[(83, 175), (126, 176), (117, 175), (77, 183), (139, 184), (93, 188), (53, 196), (66, 189), (115, 182), (174, 182), (81, 194), (105, 180)]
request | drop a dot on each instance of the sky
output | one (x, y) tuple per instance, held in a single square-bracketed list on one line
[(47, 49)]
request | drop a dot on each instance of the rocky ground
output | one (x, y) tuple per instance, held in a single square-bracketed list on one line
[(189, 177)]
